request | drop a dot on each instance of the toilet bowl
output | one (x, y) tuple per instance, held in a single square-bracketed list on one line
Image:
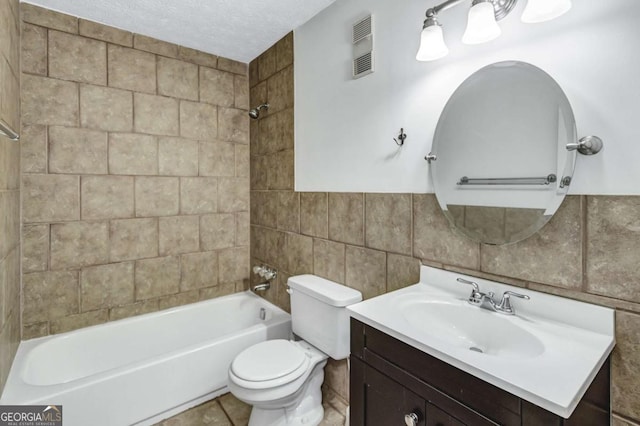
[(281, 379), (277, 388)]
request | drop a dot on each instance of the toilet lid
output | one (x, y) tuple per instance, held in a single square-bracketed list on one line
[(270, 360)]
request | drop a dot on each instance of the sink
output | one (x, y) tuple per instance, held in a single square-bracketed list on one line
[(471, 328), (547, 353)]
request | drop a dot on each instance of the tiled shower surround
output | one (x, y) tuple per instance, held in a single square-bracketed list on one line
[(9, 187), (135, 174), (375, 243)]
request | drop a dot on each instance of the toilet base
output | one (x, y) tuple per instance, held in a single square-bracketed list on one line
[(262, 417), (307, 411)]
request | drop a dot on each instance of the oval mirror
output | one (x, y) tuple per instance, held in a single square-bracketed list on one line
[(502, 167)]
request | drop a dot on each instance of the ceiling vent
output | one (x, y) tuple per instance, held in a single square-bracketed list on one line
[(363, 47)]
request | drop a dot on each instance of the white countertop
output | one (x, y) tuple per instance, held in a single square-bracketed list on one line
[(554, 346)]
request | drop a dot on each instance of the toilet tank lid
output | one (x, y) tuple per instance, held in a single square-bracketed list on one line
[(329, 292)]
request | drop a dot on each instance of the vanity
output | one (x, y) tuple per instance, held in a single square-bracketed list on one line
[(425, 356)]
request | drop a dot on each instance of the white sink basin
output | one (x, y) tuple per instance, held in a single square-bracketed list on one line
[(469, 327), (547, 353)]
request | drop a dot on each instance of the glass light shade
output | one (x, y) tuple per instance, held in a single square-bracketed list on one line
[(432, 45), (544, 10), (481, 24)]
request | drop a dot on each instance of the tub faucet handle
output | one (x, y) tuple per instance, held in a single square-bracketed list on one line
[(265, 272), (270, 274)]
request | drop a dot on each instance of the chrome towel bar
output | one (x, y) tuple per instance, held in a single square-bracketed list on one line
[(508, 181)]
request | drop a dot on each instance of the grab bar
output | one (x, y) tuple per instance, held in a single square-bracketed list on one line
[(508, 181)]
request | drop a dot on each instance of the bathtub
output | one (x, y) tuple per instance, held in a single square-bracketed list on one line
[(143, 369)]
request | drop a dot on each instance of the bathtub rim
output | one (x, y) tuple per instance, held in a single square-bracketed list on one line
[(19, 386)]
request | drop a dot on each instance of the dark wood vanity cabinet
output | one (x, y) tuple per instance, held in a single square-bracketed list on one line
[(390, 379)]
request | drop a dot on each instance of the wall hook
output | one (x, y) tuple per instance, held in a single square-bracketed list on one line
[(401, 137)]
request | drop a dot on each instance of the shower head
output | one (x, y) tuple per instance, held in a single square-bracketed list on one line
[(255, 112)]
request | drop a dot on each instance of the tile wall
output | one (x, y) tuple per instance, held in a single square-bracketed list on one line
[(9, 187), (135, 174), (589, 251)]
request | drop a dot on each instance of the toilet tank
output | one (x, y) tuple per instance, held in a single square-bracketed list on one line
[(319, 314)]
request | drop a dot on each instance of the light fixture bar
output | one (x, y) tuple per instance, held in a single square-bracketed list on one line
[(501, 7), (482, 21), (442, 6)]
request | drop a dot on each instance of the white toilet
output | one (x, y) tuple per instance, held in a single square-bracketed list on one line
[(282, 378)]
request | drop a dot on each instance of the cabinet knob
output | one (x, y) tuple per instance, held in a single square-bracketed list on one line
[(411, 419)]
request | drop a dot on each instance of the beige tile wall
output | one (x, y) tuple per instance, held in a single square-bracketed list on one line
[(589, 251), (9, 187), (135, 173)]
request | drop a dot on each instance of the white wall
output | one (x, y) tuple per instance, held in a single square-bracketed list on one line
[(345, 128)]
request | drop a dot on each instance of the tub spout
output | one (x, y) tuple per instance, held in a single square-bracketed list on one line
[(262, 286)]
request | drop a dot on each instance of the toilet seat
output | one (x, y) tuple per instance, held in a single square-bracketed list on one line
[(269, 364)]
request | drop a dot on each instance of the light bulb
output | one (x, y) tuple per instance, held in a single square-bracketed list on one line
[(544, 10), (481, 24), (432, 44)]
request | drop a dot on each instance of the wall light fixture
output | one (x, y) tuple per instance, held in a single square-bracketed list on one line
[(482, 23)]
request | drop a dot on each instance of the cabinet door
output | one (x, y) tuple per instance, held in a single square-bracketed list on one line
[(437, 417), (387, 402)]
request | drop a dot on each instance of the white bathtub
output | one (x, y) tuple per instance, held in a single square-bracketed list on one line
[(143, 369)]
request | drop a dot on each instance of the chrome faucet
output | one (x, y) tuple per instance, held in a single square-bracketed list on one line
[(267, 274), (261, 287), (485, 300)]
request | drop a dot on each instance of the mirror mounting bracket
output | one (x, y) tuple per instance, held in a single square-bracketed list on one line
[(588, 145), (430, 157)]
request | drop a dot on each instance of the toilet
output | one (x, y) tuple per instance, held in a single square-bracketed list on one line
[(281, 379)]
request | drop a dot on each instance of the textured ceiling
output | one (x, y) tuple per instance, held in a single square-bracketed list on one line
[(235, 29)]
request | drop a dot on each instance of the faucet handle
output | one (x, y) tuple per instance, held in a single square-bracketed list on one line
[(508, 294), (476, 297), (505, 304), (471, 283), (265, 272)]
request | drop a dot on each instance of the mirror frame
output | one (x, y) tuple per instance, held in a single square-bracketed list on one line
[(559, 182)]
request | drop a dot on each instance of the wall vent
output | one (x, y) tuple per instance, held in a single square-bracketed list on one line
[(363, 65), (363, 47), (362, 29)]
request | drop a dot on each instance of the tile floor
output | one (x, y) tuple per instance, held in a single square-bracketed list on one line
[(229, 411)]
